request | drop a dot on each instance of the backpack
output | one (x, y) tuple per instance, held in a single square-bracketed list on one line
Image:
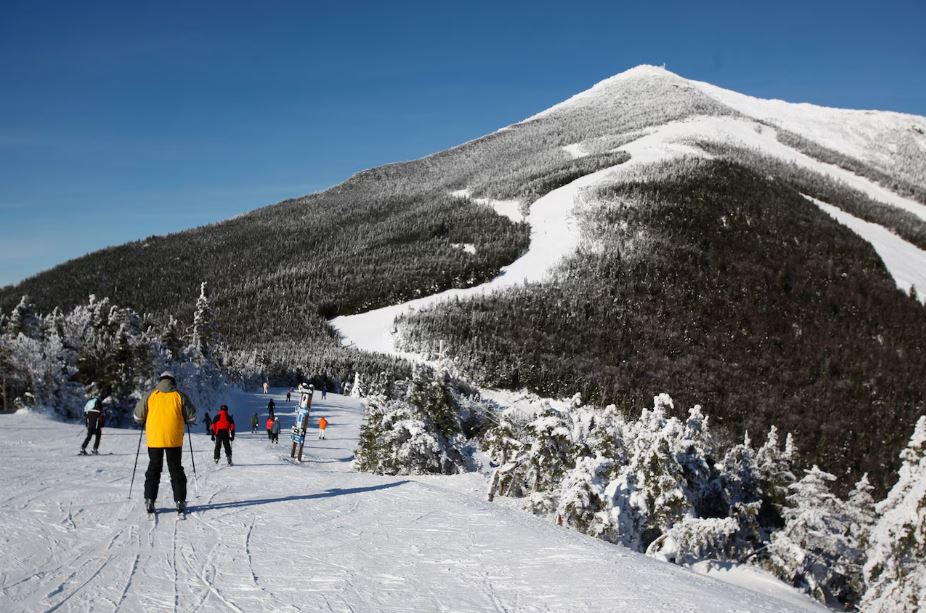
[(92, 405)]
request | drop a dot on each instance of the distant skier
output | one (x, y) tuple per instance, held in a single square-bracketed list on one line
[(289, 395), (269, 428), (275, 431), (322, 426), (163, 412), (266, 387), (271, 406), (93, 418), (254, 422), (223, 432), (207, 422), (324, 390)]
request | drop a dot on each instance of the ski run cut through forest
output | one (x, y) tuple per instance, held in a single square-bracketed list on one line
[(435, 491), (267, 535)]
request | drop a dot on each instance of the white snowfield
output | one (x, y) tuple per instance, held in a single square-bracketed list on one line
[(265, 535), (554, 235), (554, 231), (506, 208), (905, 261)]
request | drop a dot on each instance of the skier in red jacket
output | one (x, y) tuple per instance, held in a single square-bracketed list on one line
[(223, 432)]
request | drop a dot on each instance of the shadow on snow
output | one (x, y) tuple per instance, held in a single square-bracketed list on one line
[(326, 494)]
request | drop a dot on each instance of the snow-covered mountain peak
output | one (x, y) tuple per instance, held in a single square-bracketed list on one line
[(606, 88), (648, 96)]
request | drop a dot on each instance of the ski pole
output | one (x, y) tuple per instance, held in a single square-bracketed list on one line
[(141, 431), (192, 459)]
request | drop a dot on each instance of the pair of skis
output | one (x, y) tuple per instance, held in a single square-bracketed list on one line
[(181, 514)]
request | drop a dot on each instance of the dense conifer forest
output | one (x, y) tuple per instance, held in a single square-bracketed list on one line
[(718, 283), (726, 289)]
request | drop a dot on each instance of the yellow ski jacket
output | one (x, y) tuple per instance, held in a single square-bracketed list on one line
[(163, 411)]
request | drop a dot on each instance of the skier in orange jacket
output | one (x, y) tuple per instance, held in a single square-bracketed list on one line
[(322, 425)]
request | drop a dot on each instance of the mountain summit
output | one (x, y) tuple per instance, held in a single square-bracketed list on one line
[(652, 233)]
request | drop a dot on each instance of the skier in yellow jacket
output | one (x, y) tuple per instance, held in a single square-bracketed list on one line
[(163, 412)]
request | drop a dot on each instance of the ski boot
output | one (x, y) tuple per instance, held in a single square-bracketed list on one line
[(216, 460), (229, 461), (181, 508), (95, 451), (82, 451), (149, 505)]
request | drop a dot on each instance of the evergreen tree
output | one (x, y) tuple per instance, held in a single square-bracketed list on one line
[(202, 324), (860, 509), (774, 466), (583, 503), (814, 551), (896, 568), (356, 391), (432, 398), (740, 480), (649, 494), (366, 458), (23, 320), (171, 338)]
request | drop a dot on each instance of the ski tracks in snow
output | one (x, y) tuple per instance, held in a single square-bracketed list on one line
[(265, 535)]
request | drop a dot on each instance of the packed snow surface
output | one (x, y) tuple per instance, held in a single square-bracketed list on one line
[(554, 235), (506, 208), (266, 535), (576, 150), (905, 261), (849, 131)]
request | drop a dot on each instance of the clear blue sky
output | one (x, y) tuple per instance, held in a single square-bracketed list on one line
[(125, 119)]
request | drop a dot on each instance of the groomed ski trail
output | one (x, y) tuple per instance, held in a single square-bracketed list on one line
[(265, 535)]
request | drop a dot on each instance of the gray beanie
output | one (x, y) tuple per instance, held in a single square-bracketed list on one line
[(167, 375)]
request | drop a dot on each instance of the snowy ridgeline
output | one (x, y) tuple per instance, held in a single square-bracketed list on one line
[(665, 487)]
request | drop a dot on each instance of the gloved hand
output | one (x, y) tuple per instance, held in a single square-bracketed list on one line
[(213, 438), (232, 437)]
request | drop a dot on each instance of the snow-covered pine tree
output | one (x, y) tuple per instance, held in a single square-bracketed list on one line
[(583, 504), (432, 398), (356, 391), (775, 468), (739, 477), (505, 439), (201, 341), (649, 495), (171, 338), (549, 456), (860, 509), (605, 436), (367, 455), (814, 551), (693, 539), (23, 320), (695, 452), (895, 572)]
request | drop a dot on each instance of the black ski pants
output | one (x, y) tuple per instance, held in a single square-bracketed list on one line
[(222, 439), (156, 465), (90, 433)]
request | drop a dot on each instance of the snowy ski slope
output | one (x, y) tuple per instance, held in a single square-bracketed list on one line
[(554, 231), (265, 535)]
